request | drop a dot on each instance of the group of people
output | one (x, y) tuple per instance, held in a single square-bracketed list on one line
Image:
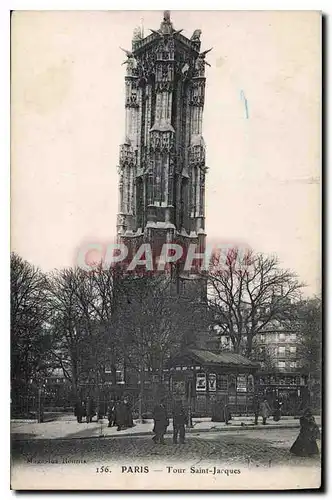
[(120, 414), (262, 408), (305, 444), (161, 422), (85, 409), (221, 412)]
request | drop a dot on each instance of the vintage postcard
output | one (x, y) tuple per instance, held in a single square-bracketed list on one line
[(165, 250)]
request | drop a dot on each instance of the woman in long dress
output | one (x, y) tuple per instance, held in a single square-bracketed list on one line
[(305, 444), (277, 410)]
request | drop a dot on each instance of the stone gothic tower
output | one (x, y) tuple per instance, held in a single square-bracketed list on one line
[(162, 159)]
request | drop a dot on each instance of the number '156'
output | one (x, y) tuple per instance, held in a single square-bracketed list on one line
[(103, 468)]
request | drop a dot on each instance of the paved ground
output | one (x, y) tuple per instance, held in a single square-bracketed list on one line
[(258, 448), (66, 426), (236, 459)]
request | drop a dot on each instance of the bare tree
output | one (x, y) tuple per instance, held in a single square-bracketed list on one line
[(250, 294), (154, 323), (264, 355), (30, 340), (83, 307)]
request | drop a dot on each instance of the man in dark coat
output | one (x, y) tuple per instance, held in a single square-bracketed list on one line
[(128, 414), (226, 413), (101, 410), (161, 422), (89, 409), (180, 419), (305, 444), (79, 411), (256, 408), (120, 415)]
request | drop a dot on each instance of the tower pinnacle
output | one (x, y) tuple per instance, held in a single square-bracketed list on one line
[(166, 25), (167, 16)]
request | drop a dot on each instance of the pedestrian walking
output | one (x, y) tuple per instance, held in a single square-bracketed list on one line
[(217, 411), (120, 417), (180, 419), (305, 444), (111, 413), (226, 413), (161, 422), (90, 412), (277, 410), (128, 414), (265, 410), (79, 411), (101, 410)]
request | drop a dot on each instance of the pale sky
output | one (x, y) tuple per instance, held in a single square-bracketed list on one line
[(263, 185)]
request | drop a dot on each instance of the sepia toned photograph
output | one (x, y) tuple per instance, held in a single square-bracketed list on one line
[(165, 266)]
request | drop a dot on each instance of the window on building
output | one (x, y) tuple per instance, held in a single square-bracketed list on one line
[(292, 349), (232, 383), (281, 350), (293, 336), (281, 336), (281, 364), (222, 382), (262, 337), (119, 377)]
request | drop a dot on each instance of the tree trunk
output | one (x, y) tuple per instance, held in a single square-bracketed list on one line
[(249, 346), (141, 396)]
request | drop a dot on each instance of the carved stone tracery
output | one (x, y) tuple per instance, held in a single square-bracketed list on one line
[(165, 87), (162, 141)]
